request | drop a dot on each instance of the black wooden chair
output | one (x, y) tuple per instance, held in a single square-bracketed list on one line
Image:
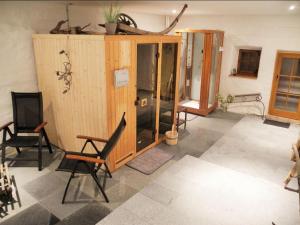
[(28, 119), (88, 163)]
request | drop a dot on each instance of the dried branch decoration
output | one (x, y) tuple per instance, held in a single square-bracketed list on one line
[(66, 75)]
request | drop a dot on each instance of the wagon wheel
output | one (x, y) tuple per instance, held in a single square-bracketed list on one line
[(125, 19)]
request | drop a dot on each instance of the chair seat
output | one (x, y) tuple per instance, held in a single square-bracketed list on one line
[(67, 165), (22, 141)]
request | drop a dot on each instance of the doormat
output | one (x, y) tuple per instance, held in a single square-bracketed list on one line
[(150, 161), (277, 123)]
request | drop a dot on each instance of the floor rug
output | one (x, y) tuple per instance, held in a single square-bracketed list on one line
[(150, 161), (277, 123)]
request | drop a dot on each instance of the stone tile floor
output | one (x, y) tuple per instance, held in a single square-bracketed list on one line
[(238, 181), (45, 188)]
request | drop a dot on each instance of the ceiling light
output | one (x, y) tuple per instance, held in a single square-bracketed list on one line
[(174, 11), (292, 7)]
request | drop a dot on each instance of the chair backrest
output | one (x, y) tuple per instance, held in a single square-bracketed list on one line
[(114, 138), (27, 111)]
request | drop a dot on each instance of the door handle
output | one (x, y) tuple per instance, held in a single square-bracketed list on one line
[(137, 101)]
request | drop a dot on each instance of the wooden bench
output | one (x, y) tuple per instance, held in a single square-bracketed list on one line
[(252, 97)]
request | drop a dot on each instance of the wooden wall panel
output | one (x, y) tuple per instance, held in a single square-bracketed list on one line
[(121, 54), (82, 110)]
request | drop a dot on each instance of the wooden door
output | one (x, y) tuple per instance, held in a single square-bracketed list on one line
[(285, 96), (121, 54)]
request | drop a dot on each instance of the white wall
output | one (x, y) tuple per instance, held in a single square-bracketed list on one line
[(19, 20), (272, 33)]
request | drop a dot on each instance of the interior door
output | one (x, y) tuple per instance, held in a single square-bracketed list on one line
[(147, 66), (194, 63), (286, 87)]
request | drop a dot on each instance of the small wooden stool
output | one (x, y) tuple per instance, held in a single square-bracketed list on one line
[(181, 121)]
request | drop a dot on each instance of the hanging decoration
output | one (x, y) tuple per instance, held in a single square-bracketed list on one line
[(65, 75)]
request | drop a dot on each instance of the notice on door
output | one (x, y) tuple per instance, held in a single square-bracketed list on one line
[(121, 77)]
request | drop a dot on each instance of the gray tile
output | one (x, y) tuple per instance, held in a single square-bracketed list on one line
[(131, 177), (159, 193), (118, 194), (34, 215), (88, 215), (87, 185), (75, 200), (27, 153), (121, 216), (153, 212), (44, 186)]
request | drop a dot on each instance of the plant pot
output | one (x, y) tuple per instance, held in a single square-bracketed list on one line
[(111, 28)]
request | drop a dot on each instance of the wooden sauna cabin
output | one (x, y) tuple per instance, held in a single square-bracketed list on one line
[(135, 74), (200, 69)]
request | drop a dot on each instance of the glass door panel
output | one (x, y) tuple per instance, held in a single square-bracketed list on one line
[(288, 87), (182, 87), (197, 66), (167, 87), (146, 94), (189, 56), (286, 66), (214, 69), (283, 84), (287, 102)]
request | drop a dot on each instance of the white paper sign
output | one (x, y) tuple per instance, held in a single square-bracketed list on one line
[(121, 77)]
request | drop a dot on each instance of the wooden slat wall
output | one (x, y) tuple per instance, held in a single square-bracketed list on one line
[(93, 106), (121, 54), (83, 110)]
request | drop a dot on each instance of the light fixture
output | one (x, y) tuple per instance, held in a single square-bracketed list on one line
[(174, 11), (292, 7)]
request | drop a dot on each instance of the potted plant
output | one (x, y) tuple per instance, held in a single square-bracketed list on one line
[(224, 102), (111, 16)]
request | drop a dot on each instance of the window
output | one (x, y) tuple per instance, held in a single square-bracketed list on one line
[(248, 62)]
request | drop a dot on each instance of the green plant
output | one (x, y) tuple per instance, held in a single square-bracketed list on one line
[(224, 102), (111, 14)]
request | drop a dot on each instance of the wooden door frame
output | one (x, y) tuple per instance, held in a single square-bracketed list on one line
[(206, 70), (218, 75), (277, 66)]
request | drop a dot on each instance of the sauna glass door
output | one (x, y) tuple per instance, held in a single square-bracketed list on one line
[(287, 95), (146, 95), (167, 87), (194, 63)]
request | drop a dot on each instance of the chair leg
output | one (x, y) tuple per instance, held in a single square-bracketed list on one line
[(99, 186), (40, 158), (47, 141), (67, 187), (3, 153), (18, 150), (3, 146), (107, 170)]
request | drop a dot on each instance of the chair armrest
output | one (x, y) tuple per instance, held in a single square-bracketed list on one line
[(84, 158), (6, 125), (92, 138), (39, 127)]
